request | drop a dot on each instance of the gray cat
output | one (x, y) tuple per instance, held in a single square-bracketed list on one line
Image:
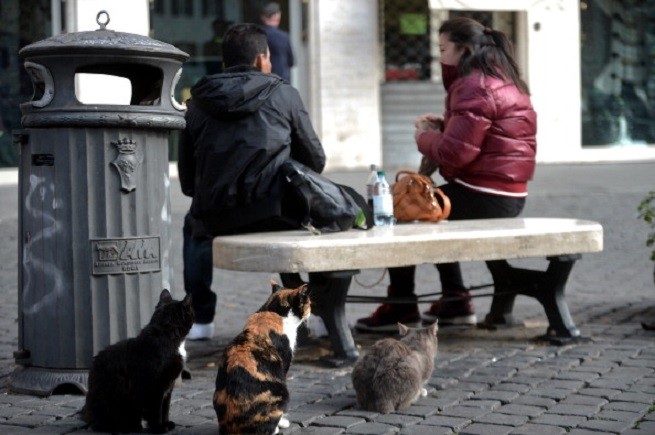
[(392, 374)]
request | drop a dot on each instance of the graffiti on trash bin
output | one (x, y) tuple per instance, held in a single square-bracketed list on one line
[(38, 262)]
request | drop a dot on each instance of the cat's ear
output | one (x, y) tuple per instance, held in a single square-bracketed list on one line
[(187, 299), (402, 329), (304, 290), (165, 296), (275, 286), (434, 328)]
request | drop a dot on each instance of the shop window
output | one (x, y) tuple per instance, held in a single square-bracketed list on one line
[(211, 7), (199, 32), (410, 36), (21, 23), (618, 72), (158, 6), (182, 8), (406, 35)]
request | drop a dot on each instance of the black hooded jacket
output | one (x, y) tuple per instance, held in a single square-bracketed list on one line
[(241, 125)]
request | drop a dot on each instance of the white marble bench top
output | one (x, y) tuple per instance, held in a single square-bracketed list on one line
[(407, 244)]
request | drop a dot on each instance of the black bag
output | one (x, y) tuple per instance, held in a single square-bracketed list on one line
[(328, 207)]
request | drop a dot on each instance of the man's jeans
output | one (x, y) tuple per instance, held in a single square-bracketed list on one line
[(198, 272)]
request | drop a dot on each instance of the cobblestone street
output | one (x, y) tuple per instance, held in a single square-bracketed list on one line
[(484, 382)]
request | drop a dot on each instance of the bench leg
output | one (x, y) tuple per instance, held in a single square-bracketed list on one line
[(552, 298), (328, 293), (545, 286), (502, 303)]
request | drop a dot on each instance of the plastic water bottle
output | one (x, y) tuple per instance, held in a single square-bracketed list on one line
[(370, 184), (382, 202)]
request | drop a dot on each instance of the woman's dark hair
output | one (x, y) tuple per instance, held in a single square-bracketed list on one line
[(242, 43), (485, 49)]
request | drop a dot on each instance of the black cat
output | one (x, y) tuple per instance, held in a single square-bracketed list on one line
[(132, 380)]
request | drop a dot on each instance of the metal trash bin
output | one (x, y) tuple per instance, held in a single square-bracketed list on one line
[(94, 204)]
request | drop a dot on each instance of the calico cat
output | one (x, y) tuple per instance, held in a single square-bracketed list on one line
[(392, 374), (133, 379), (251, 393)]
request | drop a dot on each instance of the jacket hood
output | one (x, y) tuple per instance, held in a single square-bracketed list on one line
[(235, 94)]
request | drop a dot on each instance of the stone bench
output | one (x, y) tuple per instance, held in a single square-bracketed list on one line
[(341, 255)]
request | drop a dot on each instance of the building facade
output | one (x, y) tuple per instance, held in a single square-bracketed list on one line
[(367, 68)]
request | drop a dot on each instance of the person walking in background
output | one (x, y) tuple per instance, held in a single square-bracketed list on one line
[(485, 148), (241, 125), (212, 50), (278, 41)]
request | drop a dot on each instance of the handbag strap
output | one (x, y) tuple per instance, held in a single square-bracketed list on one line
[(408, 173)]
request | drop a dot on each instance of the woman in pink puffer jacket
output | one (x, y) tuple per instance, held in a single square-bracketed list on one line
[(484, 147)]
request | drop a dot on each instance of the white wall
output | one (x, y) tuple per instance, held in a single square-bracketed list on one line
[(553, 35), (345, 80)]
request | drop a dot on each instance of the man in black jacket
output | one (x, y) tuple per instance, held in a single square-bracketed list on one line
[(241, 125)]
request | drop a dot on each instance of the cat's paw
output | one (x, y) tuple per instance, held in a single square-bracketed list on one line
[(284, 423), (424, 392)]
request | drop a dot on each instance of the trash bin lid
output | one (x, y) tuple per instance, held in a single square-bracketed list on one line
[(103, 41)]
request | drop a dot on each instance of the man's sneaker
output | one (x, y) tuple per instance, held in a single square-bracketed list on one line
[(452, 309), (387, 316), (201, 331)]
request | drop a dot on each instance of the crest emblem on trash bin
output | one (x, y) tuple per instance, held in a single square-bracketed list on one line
[(127, 163)]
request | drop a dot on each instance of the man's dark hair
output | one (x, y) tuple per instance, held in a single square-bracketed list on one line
[(242, 44)]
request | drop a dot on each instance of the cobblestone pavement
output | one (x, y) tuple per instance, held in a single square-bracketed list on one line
[(485, 382)]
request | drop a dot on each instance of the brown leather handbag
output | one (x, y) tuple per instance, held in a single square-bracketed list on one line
[(415, 198)]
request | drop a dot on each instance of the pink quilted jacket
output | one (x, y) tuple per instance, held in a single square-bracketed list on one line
[(488, 143)]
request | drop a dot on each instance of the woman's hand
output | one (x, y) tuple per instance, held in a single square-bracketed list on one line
[(428, 121)]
